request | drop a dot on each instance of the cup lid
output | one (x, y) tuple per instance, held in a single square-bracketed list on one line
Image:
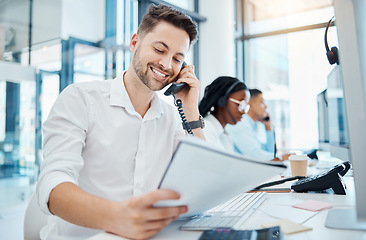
[(299, 157)]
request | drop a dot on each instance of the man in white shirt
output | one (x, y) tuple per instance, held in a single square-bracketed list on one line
[(107, 144), (246, 133)]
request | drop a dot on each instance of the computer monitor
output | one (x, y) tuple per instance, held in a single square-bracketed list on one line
[(337, 121), (323, 126), (350, 22)]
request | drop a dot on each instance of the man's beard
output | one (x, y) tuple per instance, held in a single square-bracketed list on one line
[(143, 76)]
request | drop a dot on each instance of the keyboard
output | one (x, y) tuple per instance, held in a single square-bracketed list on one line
[(231, 214)]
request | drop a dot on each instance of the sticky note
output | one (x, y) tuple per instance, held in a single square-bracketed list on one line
[(287, 226), (313, 205)]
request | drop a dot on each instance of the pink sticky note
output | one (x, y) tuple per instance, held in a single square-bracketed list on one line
[(313, 205)]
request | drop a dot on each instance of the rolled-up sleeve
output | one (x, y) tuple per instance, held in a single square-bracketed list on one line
[(269, 146), (64, 135)]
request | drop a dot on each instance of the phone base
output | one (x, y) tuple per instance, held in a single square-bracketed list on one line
[(344, 219)]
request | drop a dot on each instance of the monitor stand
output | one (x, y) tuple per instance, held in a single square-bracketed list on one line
[(344, 219)]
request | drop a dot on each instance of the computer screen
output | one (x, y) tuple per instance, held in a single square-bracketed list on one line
[(323, 125), (351, 30), (337, 121)]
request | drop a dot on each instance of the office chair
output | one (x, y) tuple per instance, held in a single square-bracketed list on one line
[(34, 219)]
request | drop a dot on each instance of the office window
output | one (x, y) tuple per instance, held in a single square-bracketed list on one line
[(47, 58), (25, 105), (281, 52), (126, 26), (263, 16), (17, 126), (89, 63), (185, 4), (26, 124), (2, 114), (49, 93)]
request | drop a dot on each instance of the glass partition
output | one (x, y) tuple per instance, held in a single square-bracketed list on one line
[(280, 50), (17, 123), (89, 63)]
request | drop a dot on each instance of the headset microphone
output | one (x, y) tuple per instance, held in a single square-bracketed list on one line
[(332, 54)]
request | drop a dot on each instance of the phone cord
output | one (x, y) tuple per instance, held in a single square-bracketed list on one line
[(178, 103)]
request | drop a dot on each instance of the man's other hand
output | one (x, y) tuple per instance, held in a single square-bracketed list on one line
[(136, 217)]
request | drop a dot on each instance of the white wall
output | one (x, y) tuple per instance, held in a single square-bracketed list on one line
[(216, 39), (83, 19), (46, 20)]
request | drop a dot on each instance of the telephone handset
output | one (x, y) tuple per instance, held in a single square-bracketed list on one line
[(176, 87), (266, 118), (328, 179), (172, 90)]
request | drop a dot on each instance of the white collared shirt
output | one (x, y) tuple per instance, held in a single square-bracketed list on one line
[(216, 135), (94, 138), (246, 137)]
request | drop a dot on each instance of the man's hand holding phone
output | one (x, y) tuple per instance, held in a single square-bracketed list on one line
[(266, 120), (137, 218), (186, 92), (190, 94)]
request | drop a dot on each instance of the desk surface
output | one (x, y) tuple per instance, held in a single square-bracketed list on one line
[(278, 206)]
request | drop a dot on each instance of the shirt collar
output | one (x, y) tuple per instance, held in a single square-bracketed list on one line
[(119, 97)]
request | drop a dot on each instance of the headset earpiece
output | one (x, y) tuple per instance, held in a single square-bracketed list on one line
[(222, 100), (332, 54), (334, 50)]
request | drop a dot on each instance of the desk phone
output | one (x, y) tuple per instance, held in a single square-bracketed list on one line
[(325, 180)]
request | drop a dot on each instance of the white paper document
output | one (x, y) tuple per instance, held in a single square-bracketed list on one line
[(206, 177), (288, 212)]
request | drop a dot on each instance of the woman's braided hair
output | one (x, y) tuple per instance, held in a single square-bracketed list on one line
[(216, 90)]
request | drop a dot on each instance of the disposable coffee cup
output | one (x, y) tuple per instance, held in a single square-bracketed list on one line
[(299, 164)]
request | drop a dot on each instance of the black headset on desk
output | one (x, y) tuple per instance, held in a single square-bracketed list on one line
[(332, 54)]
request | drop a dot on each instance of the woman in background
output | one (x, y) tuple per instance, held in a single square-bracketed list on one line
[(224, 102)]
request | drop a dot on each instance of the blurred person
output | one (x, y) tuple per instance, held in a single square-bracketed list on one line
[(246, 133), (224, 102)]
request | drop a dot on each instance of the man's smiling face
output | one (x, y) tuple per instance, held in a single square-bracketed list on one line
[(158, 56)]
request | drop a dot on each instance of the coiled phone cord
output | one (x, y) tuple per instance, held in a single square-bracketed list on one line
[(178, 103)]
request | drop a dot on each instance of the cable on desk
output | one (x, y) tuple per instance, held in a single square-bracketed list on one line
[(311, 216), (269, 184)]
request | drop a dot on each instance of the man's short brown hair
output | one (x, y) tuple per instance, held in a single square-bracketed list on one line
[(155, 14), (254, 92)]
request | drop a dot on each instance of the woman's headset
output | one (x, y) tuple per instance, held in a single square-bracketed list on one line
[(332, 54), (223, 100)]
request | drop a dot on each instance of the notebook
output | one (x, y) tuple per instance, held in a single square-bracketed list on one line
[(205, 176)]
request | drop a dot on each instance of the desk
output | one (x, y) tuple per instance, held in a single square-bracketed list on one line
[(277, 200)]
